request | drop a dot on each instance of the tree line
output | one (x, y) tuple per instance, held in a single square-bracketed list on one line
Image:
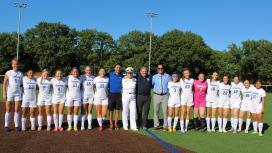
[(57, 46)]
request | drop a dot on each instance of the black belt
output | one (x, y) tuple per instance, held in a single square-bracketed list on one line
[(161, 94)]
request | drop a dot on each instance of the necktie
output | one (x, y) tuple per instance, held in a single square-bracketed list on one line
[(160, 88)]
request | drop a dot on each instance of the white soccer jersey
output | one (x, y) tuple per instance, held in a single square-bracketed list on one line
[(236, 91), (44, 87), (58, 87), (73, 87), (88, 85), (14, 82), (212, 90), (257, 95), (101, 87), (247, 93), (29, 88), (174, 89), (187, 87), (129, 85), (224, 91)]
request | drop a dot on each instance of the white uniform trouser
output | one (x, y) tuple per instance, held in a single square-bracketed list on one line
[(129, 105)]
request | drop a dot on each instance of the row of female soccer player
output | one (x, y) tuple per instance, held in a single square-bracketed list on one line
[(70, 92), (214, 99), (211, 96)]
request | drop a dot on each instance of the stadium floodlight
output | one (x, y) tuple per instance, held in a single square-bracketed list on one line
[(151, 15), (19, 6)]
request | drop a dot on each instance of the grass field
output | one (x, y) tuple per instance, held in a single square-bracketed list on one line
[(219, 142), (223, 142)]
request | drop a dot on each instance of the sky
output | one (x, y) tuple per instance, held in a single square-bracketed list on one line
[(219, 22)]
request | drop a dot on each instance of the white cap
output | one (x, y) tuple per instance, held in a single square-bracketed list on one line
[(129, 69)]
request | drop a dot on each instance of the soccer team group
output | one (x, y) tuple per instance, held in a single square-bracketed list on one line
[(211, 100)]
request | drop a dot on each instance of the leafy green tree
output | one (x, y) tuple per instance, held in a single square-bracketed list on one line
[(256, 62), (133, 49), (52, 46), (180, 50)]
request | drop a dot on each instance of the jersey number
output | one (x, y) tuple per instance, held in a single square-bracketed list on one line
[(187, 86), (101, 86), (89, 83)]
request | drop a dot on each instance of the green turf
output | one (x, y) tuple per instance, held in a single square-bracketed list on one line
[(222, 142), (218, 142)]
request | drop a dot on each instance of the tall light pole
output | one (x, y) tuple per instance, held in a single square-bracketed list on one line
[(151, 15), (19, 6)]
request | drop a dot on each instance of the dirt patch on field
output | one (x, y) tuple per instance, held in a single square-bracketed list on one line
[(88, 141)]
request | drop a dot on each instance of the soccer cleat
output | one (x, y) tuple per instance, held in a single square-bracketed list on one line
[(182, 130), (61, 129), (111, 126), (56, 130), (48, 128), (220, 130), (69, 129), (82, 128), (224, 131), (75, 128), (116, 127), (17, 129), (239, 130), (234, 131), (213, 130), (174, 130), (89, 127), (101, 128), (144, 128), (255, 132), (39, 128), (246, 131), (260, 134), (155, 128), (134, 129), (170, 130), (7, 129), (209, 130), (125, 128), (23, 128), (33, 128), (231, 130)]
